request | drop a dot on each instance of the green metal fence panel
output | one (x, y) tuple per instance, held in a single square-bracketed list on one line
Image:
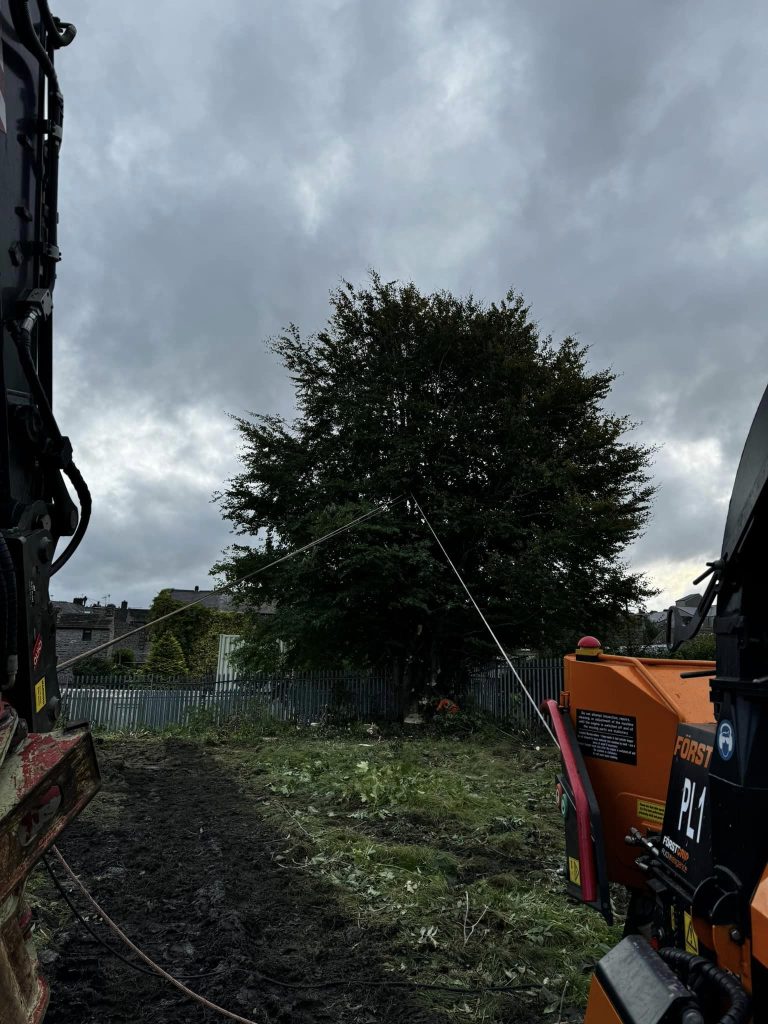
[(131, 703)]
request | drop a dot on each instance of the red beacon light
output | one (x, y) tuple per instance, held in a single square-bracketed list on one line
[(588, 648)]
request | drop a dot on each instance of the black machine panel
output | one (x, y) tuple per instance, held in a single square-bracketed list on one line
[(686, 842), (639, 985)]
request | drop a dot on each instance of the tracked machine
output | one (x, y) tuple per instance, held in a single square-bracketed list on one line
[(47, 772), (664, 790)]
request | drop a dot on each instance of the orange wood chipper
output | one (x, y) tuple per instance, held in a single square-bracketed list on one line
[(664, 790)]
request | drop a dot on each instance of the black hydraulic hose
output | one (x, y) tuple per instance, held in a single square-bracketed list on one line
[(60, 33), (21, 332), (9, 598), (84, 497), (25, 30), (695, 969)]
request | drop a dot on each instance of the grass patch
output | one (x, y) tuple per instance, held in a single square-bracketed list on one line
[(451, 846)]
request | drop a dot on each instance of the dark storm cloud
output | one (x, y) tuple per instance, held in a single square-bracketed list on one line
[(223, 167)]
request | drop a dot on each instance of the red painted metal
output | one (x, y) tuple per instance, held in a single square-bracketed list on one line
[(55, 776), (43, 995), (45, 781), (37, 650), (587, 868)]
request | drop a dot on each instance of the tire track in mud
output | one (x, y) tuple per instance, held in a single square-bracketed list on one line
[(182, 861)]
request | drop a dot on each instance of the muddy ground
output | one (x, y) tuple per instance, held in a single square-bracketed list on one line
[(183, 861)]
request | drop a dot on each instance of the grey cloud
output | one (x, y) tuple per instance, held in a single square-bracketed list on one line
[(224, 167)]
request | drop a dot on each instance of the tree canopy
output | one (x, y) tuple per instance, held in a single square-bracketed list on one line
[(503, 437)]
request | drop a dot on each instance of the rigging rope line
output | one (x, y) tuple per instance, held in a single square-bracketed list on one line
[(142, 955), (385, 506), (156, 970), (228, 586), (504, 654)]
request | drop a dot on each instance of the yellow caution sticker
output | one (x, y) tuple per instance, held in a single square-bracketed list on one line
[(691, 938), (40, 695), (650, 811), (574, 871)]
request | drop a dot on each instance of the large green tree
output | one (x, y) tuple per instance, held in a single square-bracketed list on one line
[(502, 436)]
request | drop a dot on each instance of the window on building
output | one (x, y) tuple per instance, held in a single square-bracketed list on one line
[(87, 634)]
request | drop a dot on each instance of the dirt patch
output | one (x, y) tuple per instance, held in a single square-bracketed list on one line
[(182, 859)]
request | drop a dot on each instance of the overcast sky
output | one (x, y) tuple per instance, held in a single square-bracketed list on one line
[(224, 165)]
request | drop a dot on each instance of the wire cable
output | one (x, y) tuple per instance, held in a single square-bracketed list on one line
[(235, 583), (328, 983), (95, 935), (91, 931), (196, 997), (496, 640)]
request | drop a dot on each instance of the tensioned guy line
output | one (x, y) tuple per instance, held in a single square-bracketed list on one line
[(228, 586), (504, 654), (385, 506)]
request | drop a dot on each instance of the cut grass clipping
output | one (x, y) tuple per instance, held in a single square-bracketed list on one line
[(451, 848)]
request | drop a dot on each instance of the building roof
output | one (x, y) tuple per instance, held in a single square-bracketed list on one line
[(75, 616), (131, 616), (689, 601), (208, 598), (216, 599)]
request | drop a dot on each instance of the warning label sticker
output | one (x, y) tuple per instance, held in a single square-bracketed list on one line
[(574, 871), (606, 736), (691, 938), (650, 812), (40, 695)]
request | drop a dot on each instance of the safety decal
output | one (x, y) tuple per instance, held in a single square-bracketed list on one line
[(37, 650), (40, 695), (726, 740), (574, 871), (650, 812), (606, 736), (691, 938)]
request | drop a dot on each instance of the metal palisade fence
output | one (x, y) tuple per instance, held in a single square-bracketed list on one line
[(494, 689), (156, 702), (129, 703)]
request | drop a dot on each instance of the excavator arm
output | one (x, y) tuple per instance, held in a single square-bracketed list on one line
[(48, 771)]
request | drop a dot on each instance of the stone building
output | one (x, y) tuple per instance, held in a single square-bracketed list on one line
[(81, 628), (127, 619)]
